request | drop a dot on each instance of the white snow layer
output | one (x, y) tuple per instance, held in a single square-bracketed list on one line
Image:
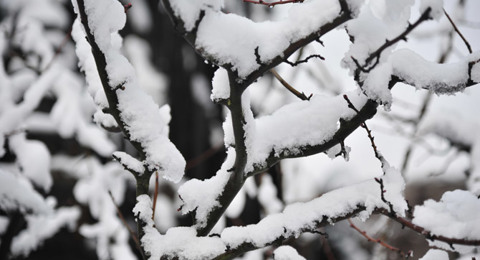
[(287, 253), (183, 242), (17, 193), (41, 227), (218, 33), (143, 120), (313, 122), (435, 254), (459, 208)]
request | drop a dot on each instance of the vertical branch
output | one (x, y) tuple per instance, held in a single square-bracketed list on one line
[(237, 178), (142, 180)]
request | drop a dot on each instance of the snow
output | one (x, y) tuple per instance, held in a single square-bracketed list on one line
[(201, 196), (376, 85), (313, 122), (439, 78), (459, 208), (221, 85), (287, 253), (476, 72), (190, 10), (183, 242), (16, 193), (144, 122), (435, 254), (33, 158), (41, 227), (267, 196), (300, 216), (129, 162), (218, 33), (17, 113)]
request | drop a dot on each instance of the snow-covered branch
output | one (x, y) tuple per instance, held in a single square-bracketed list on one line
[(258, 46)]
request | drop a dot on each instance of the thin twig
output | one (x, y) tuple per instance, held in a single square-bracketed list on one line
[(155, 194), (376, 54), (59, 49), (379, 241), (192, 163), (132, 234), (272, 4), (369, 132), (293, 64), (458, 31), (301, 96), (427, 234)]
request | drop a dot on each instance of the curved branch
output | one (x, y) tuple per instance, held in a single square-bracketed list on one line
[(346, 128), (344, 15)]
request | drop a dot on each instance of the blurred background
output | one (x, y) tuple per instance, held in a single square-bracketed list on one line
[(36, 34)]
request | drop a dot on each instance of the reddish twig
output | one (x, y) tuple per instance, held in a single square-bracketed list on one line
[(202, 157), (272, 4), (379, 241), (427, 234), (132, 234)]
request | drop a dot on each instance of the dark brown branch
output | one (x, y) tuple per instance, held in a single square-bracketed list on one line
[(379, 241), (237, 177), (367, 67), (110, 92), (293, 64), (155, 195), (346, 128), (428, 235), (369, 132), (458, 32), (272, 4)]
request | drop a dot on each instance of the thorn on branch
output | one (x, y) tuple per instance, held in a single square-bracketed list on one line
[(369, 133), (382, 195), (293, 64)]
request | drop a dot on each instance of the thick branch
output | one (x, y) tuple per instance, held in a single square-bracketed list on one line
[(237, 177), (100, 60)]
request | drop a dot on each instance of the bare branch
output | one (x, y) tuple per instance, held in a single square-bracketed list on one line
[(458, 32), (272, 4), (379, 241), (301, 96)]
